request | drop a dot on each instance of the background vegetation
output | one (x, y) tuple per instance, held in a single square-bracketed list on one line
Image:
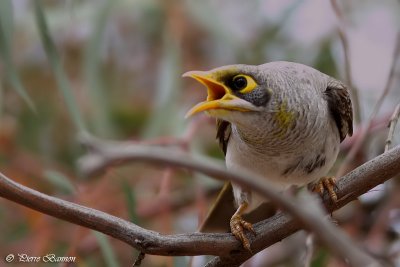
[(113, 68)]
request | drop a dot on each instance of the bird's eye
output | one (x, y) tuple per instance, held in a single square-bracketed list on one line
[(239, 83), (242, 83)]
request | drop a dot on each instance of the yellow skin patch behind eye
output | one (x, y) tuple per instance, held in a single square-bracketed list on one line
[(251, 84)]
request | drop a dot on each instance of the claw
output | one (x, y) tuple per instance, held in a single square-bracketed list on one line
[(238, 227), (326, 183)]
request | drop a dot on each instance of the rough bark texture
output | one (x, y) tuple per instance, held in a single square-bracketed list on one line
[(229, 250)]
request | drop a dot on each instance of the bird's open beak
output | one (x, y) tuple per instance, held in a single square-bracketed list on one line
[(219, 96)]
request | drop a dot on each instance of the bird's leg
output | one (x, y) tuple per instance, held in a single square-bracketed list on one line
[(238, 226), (326, 183)]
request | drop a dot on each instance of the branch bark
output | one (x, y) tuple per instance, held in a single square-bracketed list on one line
[(225, 246), (392, 126), (109, 153)]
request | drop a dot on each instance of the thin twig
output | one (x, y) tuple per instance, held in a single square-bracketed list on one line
[(139, 259), (268, 232), (107, 154), (378, 124), (375, 238), (364, 131), (310, 249), (347, 66), (392, 126)]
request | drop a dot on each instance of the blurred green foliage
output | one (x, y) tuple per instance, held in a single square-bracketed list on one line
[(113, 68)]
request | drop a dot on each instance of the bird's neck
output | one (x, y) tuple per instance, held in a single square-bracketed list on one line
[(264, 138), (281, 130)]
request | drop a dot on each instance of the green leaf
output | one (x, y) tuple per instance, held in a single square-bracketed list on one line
[(6, 32), (63, 84), (130, 201), (7, 19), (167, 93), (320, 258), (106, 249), (60, 181), (97, 91)]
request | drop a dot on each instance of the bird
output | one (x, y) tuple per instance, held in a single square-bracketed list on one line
[(281, 120)]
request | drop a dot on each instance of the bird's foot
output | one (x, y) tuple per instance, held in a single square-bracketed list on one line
[(328, 184), (238, 227)]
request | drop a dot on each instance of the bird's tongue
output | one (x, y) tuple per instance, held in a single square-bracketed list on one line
[(215, 89)]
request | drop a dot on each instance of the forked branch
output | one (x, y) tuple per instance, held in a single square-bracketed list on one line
[(103, 154)]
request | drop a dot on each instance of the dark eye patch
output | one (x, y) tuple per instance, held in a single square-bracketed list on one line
[(258, 97), (237, 84)]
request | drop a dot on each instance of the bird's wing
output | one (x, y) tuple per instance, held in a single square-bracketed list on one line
[(223, 134), (218, 218), (223, 208), (339, 103)]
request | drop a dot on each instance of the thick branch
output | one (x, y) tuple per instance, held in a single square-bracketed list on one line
[(106, 153), (269, 231), (149, 242)]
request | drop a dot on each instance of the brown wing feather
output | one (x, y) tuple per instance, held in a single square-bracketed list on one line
[(339, 103), (223, 133), (217, 220)]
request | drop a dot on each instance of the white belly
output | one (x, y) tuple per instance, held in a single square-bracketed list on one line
[(240, 156)]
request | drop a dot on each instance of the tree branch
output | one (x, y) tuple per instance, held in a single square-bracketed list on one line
[(347, 66), (108, 153), (149, 242), (364, 131), (392, 126), (268, 232)]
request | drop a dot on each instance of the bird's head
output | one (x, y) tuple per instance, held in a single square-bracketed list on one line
[(234, 92)]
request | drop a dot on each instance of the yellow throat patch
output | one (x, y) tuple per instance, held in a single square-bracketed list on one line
[(284, 117)]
